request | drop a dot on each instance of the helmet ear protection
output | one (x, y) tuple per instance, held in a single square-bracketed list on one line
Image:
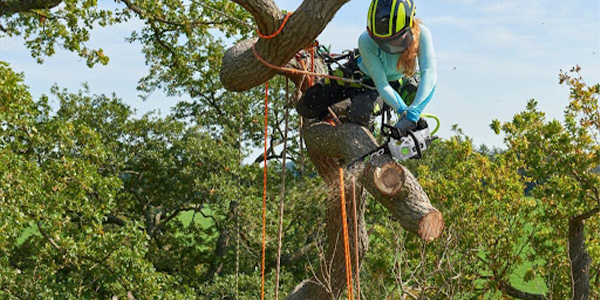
[(389, 23)]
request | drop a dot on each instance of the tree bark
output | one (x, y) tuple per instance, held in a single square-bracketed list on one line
[(222, 245), (241, 70), (8, 8), (330, 278), (580, 260)]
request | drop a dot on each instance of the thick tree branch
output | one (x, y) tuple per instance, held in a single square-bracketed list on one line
[(586, 215), (114, 220), (265, 13), (510, 290), (333, 146), (241, 70), (8, 8), (391, 184)]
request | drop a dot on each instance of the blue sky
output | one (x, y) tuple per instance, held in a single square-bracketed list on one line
[(493, 56)]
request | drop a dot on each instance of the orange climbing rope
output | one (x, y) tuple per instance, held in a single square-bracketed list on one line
[(356, 238), (264, 208), (305, 68), (311, 74), (346, 243), (276, 33)]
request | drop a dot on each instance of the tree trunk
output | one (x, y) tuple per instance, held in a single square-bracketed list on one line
[(580, 259), (330, 278), (222, 245)]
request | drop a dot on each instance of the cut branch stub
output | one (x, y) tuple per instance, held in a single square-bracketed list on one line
[(389, 179), (431, 225)]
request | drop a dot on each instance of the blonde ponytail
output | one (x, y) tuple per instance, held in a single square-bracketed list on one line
[(407, 63)]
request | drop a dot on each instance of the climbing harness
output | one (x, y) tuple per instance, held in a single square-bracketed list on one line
[(349, 69), (302, 72)]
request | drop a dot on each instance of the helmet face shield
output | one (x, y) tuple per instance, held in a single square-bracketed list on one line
[(388, 17), (397, 43), (389, 23)]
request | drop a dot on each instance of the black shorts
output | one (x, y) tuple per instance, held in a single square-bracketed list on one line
[(365, 103)]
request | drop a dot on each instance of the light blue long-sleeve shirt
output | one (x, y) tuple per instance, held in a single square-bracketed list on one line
[(381, 67)]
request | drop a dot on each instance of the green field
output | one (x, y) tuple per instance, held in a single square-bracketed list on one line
[(187, 216), (535, 286)]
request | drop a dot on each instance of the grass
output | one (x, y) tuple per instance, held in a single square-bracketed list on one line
[(186, 218), (26, 234), (535, 286)]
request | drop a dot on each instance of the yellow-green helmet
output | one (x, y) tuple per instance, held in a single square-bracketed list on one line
[(389, 23)]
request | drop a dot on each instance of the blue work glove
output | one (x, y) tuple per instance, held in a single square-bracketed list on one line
[(404, 125)]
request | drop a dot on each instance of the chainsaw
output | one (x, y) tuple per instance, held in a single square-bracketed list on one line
[(404, 146), (412, 144)]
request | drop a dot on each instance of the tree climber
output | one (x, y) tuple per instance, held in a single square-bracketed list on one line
[(389, 50)]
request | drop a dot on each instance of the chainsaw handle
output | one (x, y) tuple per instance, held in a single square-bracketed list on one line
[(390, 131), (430, 116)]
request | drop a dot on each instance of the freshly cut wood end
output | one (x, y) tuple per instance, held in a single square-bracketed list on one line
[(389, 179), (431, 226)]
